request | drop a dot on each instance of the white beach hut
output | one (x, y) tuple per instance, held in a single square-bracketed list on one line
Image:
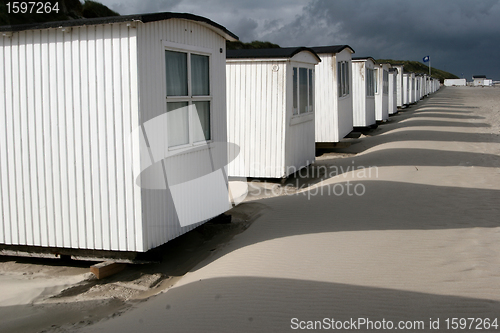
[(270, 106), (363, 91), (429, 85), (382, 92), (412, 88), (435, 85), (399, 85), (110, 130), (425, 91), (418, 83), (333, 97), (406, 88), (393, 91), (481, 80)]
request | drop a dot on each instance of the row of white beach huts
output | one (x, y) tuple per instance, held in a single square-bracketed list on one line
[(119, 134)]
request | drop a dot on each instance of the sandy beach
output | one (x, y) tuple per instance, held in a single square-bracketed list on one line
[(402, 226)]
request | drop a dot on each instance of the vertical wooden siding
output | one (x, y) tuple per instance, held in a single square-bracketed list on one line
[(393, 94), (399, 88), (363, 106), (333, 115), (68, 100), (300, 146), (345, 103), (256, 102), (159, 216), (326, 98), (381, 99)]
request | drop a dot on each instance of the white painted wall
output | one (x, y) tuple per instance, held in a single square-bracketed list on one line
[(273, 142), (363, 105), (399, 85), (160, 219), (393, 93), (68, 100), (412, 87), (455, 82), (333, 114), (381, 97)]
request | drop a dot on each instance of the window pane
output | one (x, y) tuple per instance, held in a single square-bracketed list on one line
[(302, 90), (367, 75), (177, 123), (200, 78), (339, 78), (370, 82), (295, 94), (343, 79), (386, 82), (347, 76), (311, 82), (176, 73), (201, 123)]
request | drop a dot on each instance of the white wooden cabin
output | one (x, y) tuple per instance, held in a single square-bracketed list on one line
[(412, 88), (271, 110), (399, 85), (429, 80), (435, 85), (363, 91), (424, 85), (406, 88), (418, 83), (333, 96), (481, 80), (101, 146), (393, 91), (382, 92)]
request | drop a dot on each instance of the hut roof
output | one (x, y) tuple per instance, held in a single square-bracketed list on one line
[(331, 49), (279, 52), (144, 18)]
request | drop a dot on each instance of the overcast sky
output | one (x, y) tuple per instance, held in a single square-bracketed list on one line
[(460, 36)]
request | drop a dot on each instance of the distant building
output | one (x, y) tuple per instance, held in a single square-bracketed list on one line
[(481, 80), (455, 82)]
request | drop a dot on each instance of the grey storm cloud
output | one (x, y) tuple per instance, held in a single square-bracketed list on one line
[(460, 36)]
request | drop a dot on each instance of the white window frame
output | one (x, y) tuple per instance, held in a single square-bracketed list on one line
[(189, 49), (343, 78), (385, 82), (310, 82), (370, 78)]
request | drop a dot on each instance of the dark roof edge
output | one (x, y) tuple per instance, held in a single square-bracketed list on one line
[(144, 18), (281, 52), (303, 48), (331, 49), (365, 58)]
